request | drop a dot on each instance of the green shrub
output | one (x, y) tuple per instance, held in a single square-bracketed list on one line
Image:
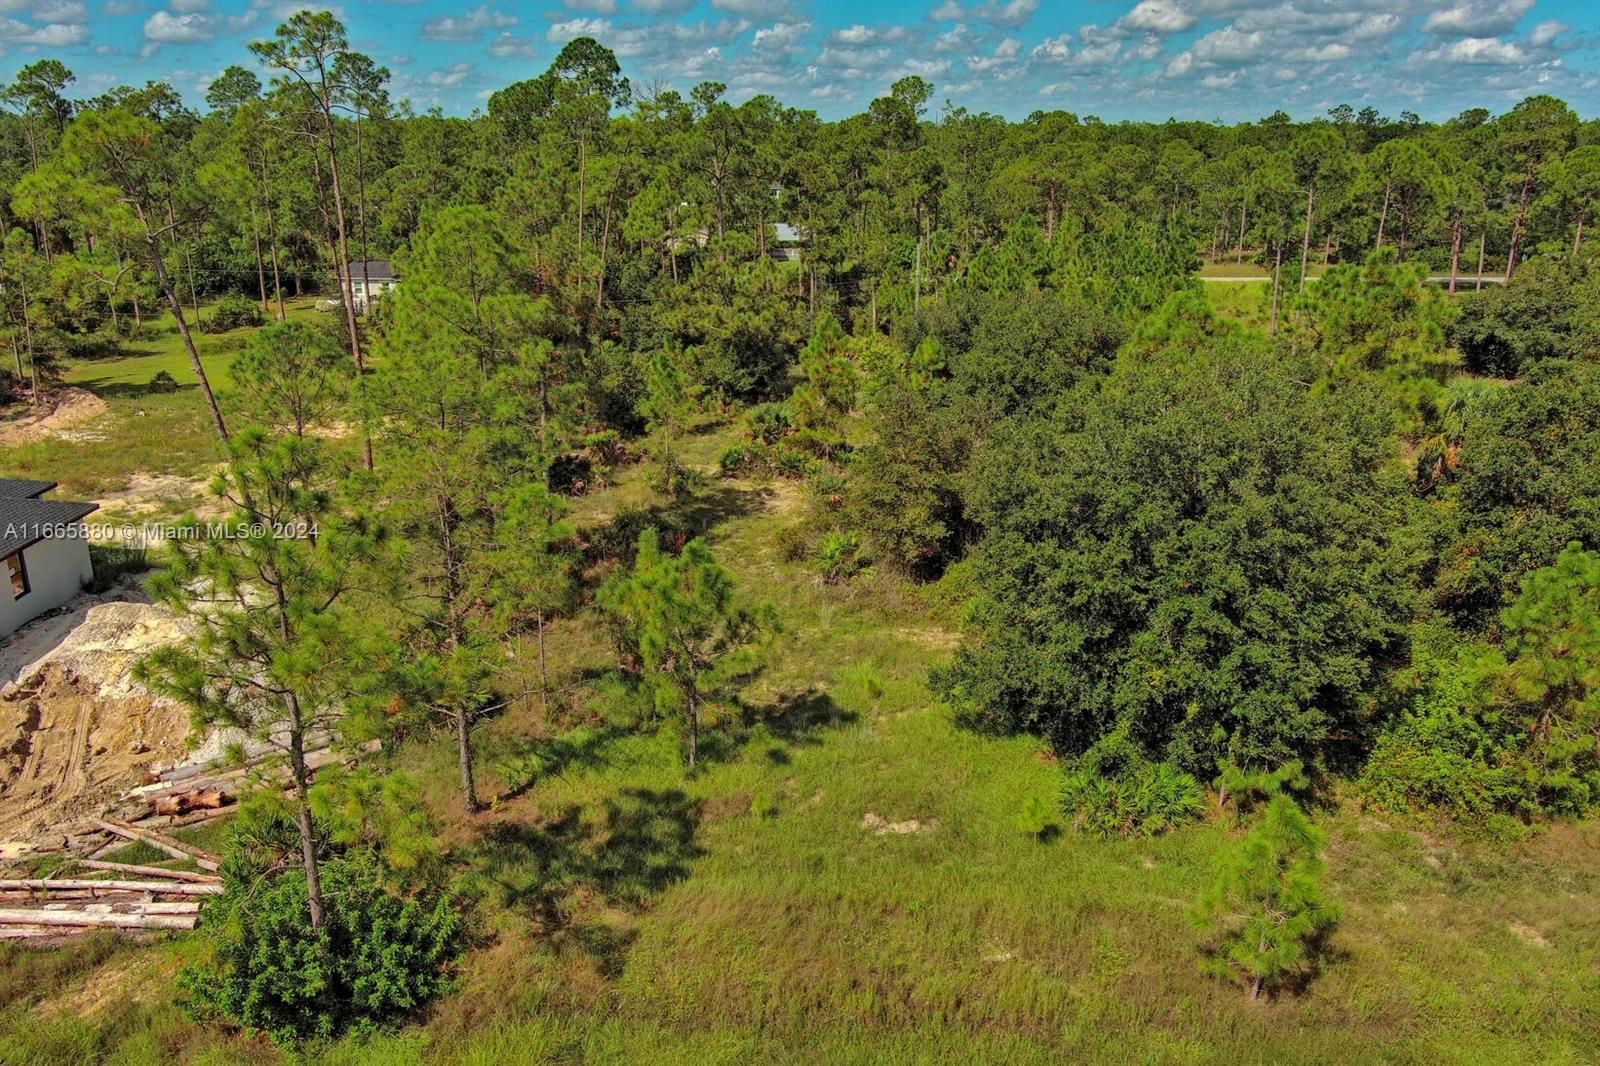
[(767, 423), (232, 312), (839, 557), (1145, 802), (377, 958)]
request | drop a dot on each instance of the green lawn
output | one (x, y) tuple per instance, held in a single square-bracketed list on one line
[(143, 431), (755, 913)]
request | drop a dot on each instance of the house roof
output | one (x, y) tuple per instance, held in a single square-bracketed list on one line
[(17, 488), (787, 234), (25, 519), (375, 270)]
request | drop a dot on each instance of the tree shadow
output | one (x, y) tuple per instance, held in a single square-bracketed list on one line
[(128, 390), (676, 522), (639, 843), (528, 762), (793, 721)]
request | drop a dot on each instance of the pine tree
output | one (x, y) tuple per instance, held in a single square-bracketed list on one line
[(1267, 914), (694, 641), (277, 651)]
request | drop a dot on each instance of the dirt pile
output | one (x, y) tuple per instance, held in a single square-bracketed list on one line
[(75, 729), (69, 409)]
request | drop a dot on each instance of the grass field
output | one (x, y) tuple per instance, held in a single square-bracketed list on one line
[(142, 431), (844, 882)]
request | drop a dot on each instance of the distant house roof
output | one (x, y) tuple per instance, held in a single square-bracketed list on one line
[(787, 234), (375, 270), (25, 519)]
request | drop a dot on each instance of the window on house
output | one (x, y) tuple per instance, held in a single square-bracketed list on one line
[(17, 571)]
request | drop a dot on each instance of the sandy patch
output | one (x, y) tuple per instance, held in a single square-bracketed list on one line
[(163, 494), (69, 408), (883, 827)]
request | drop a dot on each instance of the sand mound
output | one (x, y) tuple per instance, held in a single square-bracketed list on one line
[(75, 730), (69, 408)]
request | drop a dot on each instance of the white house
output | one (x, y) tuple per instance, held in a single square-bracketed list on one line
[(44, 555), (370, 279)]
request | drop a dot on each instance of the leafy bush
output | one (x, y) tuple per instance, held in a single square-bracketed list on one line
[(767, 423), (378, 957), (232, 312), (1197, 547), (161, 381), (1146, 801), (1527, 484), (839, 557)]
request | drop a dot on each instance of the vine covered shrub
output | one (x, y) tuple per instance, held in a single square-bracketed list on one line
[(378, 957)]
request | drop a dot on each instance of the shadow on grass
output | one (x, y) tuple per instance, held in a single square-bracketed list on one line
[(637, 844), (777, 728), (128, 390), (676, 522)]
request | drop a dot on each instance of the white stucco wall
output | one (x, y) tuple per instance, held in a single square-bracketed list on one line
[(58, 567)]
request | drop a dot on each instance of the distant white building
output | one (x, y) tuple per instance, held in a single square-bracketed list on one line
[(786, 244), (370, 279), (44, 555)]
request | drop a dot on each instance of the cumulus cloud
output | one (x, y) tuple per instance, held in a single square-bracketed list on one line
[(1158, 16), (451, 76), (1487, 51), (508, 46), (50, 35), (780, 36), (1477, 18), (470, 25), (174, 25)]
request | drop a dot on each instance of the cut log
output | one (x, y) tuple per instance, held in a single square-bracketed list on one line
[(185, 802), (200, 817), (13, 916), (151, 871), (176, 848), (163, 888)]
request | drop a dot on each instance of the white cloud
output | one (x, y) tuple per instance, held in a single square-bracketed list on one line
[(1327, 53), (780, 36), (948, 11), (51, 35), (1488, 51), (508, 45), (61, 12), (451, 76), (469, 26), (1546, 32), (168, 28), (1227, 45), (1158, 16), (1477, 18), (566, 31), (762, 9)]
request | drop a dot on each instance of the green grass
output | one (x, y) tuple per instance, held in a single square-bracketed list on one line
[(635, 913), (142, 431)]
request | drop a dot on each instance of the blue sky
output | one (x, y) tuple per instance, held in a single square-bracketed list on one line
[(1203, 59)]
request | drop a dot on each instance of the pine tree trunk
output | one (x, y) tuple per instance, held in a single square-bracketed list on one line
[(302, 794), (1277, 270), (1577, 241), (469, 791), (199, 369), (1305, 240), (544, 672), (1516, 229), (1455, 253), (1483, 237), (1383, 218)]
